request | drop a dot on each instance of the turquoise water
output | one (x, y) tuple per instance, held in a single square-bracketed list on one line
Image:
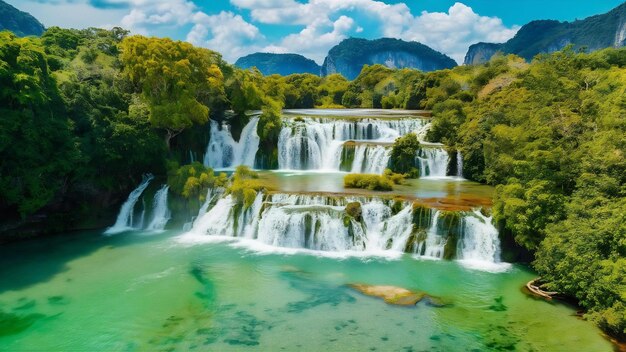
[(141, 291)]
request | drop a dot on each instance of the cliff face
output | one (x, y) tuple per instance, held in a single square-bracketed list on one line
[(593, 33), (481, 52), (349, 56), (282, 64), (19, 22)]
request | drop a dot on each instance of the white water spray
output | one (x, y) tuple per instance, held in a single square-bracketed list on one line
[(124, 220), (223, 152), (433, 162), (161, 213)]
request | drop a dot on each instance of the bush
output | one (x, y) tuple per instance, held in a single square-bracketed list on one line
[(366, 181), (397, 179), (193, 180), (245, 186)]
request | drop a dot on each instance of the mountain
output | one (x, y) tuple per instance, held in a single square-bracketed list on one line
[(282, 64), (546, 36), (19, 22), (481, 53), (349, 56)]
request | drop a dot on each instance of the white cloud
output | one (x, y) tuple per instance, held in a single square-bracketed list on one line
[(316, 38), (453, 32), (158, 12), (226, 33)]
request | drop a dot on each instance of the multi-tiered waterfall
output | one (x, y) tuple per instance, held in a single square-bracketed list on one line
[(348, 141), (317, 143), (322, 223)]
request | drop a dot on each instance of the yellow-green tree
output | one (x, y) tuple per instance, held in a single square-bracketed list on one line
[(176, 79)]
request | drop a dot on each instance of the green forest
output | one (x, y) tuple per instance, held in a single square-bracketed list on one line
[(85, 113)]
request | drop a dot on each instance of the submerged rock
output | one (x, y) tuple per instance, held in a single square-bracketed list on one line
[(397, 295)]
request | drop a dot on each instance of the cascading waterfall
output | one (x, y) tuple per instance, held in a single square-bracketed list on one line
[(433, 162), (317, 143), (124, 220), (459, 164), (161, 213), (370, 159), (224, 152), (479, 240), (321, 223)]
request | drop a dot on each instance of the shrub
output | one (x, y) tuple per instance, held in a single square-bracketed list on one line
[(193, 180), (366, 181), (397, 179)]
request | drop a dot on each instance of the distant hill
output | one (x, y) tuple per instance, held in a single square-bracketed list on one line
[(19, 22), (546, 36), (282, 64), (349, 56)]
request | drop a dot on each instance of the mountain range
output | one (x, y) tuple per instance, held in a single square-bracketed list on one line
[(546, 36), (282, 64)]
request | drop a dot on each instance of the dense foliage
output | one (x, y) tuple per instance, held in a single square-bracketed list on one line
[(552, 137)]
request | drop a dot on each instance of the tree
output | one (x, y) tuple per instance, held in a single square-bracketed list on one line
[(403, 155), (174, 78)]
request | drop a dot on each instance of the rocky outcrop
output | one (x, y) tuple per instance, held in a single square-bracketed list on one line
[(282, 64), (19, 22), (547, 36), (480, 53), (348, 57)]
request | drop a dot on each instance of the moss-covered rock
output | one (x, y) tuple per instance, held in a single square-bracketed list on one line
[(354, 210), (422, 216), (347, 156), (449, 226)]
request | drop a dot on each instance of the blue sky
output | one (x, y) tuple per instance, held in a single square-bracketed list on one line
[(311, 27)]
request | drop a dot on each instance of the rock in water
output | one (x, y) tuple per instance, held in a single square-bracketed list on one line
[(397, 295)]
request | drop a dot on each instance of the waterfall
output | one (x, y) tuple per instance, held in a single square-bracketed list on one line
[(434, 245), (479, 241), (459, 164), (317, 143), (370, 159), (124, 220), (319, 222), (161, 213), (433, 162), (224, 152)]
